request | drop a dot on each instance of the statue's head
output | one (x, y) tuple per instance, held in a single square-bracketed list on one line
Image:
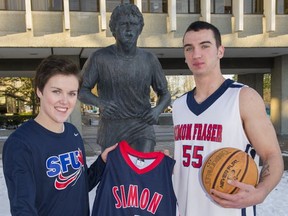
[(125, 10)]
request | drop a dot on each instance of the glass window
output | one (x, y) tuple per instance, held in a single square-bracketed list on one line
[(253, 7), (154, 6), (47, 5), (148, 6), (3, 5), (84, 5), (248, 6), (282, 6), (221, 6), (188, 6), (111, 4), (74, 5), (12, 5)]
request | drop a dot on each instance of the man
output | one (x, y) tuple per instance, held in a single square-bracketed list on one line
[(124, 74), (238, 114)]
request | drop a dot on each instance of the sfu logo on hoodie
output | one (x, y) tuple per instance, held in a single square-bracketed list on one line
[(60, 166)]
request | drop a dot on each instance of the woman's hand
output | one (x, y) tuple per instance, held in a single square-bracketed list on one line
[(106, 151)]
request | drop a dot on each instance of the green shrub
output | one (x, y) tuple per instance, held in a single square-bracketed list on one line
[(13, 121)]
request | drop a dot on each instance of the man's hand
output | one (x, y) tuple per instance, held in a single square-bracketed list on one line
[(246, 196)]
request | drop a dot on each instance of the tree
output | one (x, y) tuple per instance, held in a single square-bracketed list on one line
[(21, 90), (267, 88)]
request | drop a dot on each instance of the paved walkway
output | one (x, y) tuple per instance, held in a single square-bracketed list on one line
[(164, 139), (283, 142)]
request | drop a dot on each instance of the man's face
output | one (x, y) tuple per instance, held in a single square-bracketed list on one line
[(201, 53), (127, 30)]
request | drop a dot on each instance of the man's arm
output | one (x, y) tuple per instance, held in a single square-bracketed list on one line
[(262, 136)]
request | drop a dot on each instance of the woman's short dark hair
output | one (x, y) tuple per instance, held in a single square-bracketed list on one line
[(54, 65), (200, 25)]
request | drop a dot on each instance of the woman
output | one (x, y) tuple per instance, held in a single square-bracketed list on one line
[(44, 159)]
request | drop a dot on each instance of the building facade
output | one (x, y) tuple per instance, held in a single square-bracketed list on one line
[(254, 32)]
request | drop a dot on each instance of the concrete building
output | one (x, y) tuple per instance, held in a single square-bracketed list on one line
[(255, 34)]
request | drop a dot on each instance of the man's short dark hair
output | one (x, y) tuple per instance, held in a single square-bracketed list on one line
[(200, 25)]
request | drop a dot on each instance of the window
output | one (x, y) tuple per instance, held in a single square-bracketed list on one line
[(188, 6), (47, 5), (3, 5), (154, 6), (12, 5), (84, 5), (111, 4), (221, 6), (148, 6), (253, 7), (282, 6)]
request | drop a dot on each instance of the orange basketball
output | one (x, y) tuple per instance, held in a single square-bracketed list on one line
[(228, 163)]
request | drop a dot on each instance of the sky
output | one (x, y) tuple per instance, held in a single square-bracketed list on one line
[(276, 203)]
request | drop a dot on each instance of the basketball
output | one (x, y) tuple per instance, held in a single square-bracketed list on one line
[(228, 163)]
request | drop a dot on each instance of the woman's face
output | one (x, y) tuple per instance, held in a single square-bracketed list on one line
[(58, 99)]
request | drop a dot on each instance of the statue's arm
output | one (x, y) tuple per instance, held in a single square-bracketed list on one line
[(164, 100), (86, 96), (159, 85), (90, 79)]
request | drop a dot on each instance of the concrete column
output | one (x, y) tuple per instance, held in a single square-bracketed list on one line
[(238, 13), (66, 14), (28, 14), (172, 15), (76, 118), (279, 95), (205, 10), (254, 81), (138, 3), (103, 14), (270, 15)]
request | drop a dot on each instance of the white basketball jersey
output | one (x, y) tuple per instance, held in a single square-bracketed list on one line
[(200, 129)]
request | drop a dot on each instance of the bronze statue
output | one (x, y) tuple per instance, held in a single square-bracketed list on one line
[(123, 74)]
